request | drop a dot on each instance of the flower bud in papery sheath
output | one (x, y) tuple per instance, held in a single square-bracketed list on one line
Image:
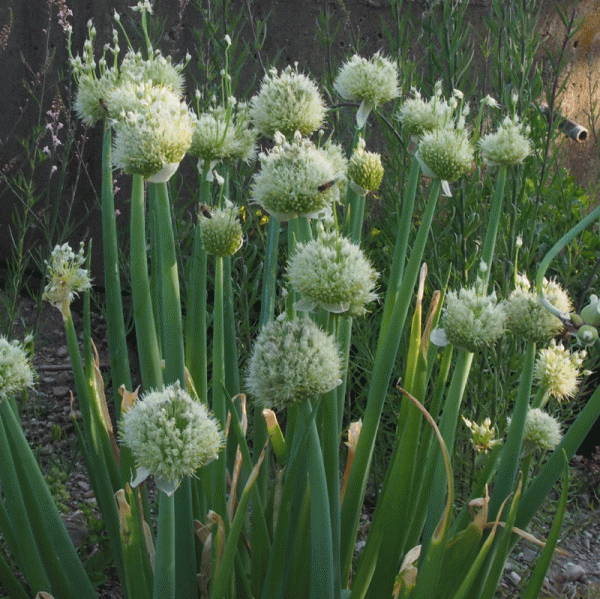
[(291, 361), (445, 154), (542, 431), (419, 116), (170, 435), (527, 318), (587, 335), (16, 373), (154, 130), (557, 371), (472, 320), (290, 181), (371, 82), (508, 145), (287, 102), (66, 278), (365, 168), (219, 136), (332, 274), (221, 233)]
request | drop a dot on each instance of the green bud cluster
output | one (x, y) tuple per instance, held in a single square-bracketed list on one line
[(221, 233), (365, 168)]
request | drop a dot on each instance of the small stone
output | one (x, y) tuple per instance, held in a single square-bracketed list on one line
[(62, 351), (573, 572), (515, 577), (83, 485), (60, 391)]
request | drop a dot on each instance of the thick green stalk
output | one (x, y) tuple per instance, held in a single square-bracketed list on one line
[(195, 325), (164, 569), (384, 362), (64, 568), (145, 328), (400, 247), (173, 354), (448, 425), (232, 373), (509, 459), (494, 221), (322, 579), (115, 324), (28, 556)]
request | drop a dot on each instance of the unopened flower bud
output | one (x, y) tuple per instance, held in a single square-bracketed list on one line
[(365, 168), (587, 335), (221, 233), (445, 154), (591, 312)]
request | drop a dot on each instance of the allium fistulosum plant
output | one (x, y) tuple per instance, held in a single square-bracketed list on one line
[(276, 514)]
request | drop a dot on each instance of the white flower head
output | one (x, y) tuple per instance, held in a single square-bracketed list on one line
[(365, 169), (334, 274), (420, 116), (527, 318), (371, 82), (222, 134), (16, 372), (157, 70), (292, 361), (482, 435), (221, 233), (472, 320), (170, 435), (445, 154), (542, 431), (154, 130), (557, 371), (290, 181), (508, 145), (66, 278), (287, 102)]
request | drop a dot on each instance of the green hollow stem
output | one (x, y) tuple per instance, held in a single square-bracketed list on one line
[(115, 324), (322, 578), (384, 362), (65, 570), (400, 248), (143, 314), (448, 426), (174, 371), (489, 243), (509, 459), (164, 570)]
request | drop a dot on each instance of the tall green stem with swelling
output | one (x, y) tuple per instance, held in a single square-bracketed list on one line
[(164, 569), (115, 324), (147, 342), (384, 362)]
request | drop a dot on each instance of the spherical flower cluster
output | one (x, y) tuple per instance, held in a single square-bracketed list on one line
[(222, 134), (287, 102), (370, 82), (292, 361), (16, 373), (419, 116), (482, 435), (154, 130), (290, 181), (527, 318), (508, 145), (365, 168), (332, 273), (471, 320), (157, 70), (557, 371), (542, 431), (171, 435), (445, 153), (66, 278), (221, 233), (94, 80)]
